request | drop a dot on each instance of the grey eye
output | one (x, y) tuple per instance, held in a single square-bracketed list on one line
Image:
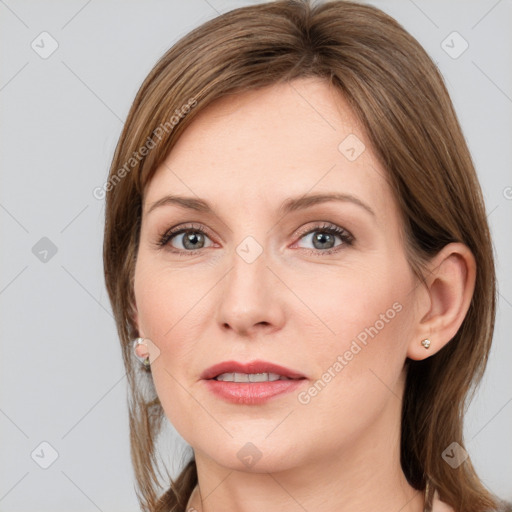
[(191, 239)]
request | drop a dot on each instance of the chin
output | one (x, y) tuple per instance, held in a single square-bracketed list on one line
[(256, 456)]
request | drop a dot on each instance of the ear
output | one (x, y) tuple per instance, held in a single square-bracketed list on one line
[(141, 350), (446, 296), (134, 316)]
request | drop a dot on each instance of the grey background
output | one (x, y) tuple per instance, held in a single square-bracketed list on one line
[(61, 377)]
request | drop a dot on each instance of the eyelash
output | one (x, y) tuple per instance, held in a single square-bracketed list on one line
[(346, 237)]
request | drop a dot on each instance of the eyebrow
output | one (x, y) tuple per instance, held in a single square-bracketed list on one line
[(289, 205)]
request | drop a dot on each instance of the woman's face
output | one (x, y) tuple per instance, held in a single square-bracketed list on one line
[(259, 279)]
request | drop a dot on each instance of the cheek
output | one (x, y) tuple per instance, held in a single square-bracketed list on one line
[(359, 355), (169, 309), (169, 314), (359, 367), (362, 304)]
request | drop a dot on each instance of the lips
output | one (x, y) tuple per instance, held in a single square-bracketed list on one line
[(250, 367), (233, 385)]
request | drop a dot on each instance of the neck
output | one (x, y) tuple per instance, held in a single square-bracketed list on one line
[(363, 475)]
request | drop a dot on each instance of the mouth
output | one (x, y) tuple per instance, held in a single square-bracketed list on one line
[(250, 383), (250, 377), (260, 371)]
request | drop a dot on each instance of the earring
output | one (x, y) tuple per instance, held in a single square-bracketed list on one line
[(426, 343), (143, 360)]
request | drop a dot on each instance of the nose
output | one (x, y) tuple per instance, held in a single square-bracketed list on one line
[(251, 297)]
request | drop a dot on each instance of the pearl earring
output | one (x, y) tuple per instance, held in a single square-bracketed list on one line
[(426, 343), (143, 360)]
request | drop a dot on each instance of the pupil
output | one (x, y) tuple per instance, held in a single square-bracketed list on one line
[(321, 238), (191, 237)]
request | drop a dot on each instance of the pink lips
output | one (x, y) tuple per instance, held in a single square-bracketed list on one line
[(251, 393), (250, 367)]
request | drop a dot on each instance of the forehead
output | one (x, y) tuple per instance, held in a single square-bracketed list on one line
[(259, 147)]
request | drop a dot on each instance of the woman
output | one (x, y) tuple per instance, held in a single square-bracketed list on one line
[(296, 250)]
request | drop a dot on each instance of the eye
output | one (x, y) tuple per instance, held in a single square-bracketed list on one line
[(190, 237), (323, 238)]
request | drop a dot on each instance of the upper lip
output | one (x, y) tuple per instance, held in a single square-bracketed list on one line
[(249, 367)]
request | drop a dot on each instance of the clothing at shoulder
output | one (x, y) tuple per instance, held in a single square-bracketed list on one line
[(440, 506)]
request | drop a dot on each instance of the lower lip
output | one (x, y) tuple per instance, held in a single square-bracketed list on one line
[(252, 393)]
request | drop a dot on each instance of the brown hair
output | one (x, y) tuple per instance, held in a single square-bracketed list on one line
[(398, 94)]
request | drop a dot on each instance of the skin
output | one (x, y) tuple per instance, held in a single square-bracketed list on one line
[(340, 451)]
